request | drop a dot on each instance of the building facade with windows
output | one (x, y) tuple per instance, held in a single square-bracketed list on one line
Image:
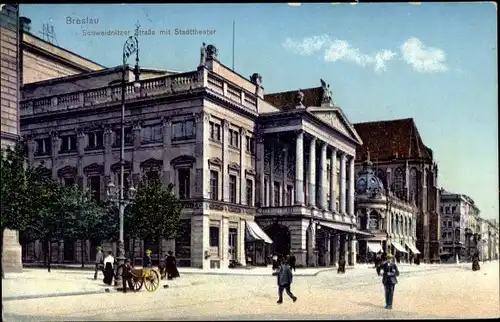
[(392, 222), (253, 170), (407, 168), (460, 231)]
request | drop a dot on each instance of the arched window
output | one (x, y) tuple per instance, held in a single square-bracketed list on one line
[(398, 183), (413, 185), (381, 175), (373, 223)]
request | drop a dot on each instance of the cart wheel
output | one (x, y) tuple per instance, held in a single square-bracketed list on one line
[(137, 283), (152, 281)]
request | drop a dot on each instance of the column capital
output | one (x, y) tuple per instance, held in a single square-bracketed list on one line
[(166, 121), (225, 124), (243, 131), (313, 139), (299, 132), (324, 145), (343, 155)]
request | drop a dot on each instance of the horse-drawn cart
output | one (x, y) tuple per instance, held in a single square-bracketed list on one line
[(148, 277)]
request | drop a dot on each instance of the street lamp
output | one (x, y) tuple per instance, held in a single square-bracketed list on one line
[(116, 195), (130, 47)]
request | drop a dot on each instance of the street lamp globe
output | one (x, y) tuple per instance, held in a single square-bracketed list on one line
[(111, 190), (132, 192)]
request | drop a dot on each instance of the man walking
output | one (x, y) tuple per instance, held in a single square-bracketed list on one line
[(99, 262), (389, 280), (285, 278), (292, 261)]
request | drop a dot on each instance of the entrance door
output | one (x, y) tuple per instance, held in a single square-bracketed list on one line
[(233, 240)]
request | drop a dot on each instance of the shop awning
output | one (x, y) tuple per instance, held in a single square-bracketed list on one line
[(336, 226), (413, 249), (361, 234), (374, 247), (255, 233), (399, 247)]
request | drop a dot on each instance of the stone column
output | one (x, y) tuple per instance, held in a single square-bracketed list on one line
[(31, 150), (322, 178), (202, 172), (271, 179), (224, 243), (136, 141), (342, 184), (80, 146), (350, 199), (334, 244), (299, 169), (260, 169), (241, 242), (243, 182), (55, 152), (225, 155), (352, 250), (108, 152), (285, 179), (167, 151), (333, 180), (311, 230), (312, 173)]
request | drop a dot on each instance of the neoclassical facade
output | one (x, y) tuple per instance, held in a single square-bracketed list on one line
[(407, 168), (257, 173), (391, 221)]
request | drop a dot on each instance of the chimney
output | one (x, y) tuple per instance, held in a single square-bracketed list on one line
[(24, 24)]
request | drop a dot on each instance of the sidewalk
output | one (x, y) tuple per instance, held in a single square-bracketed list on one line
[(253, 271)]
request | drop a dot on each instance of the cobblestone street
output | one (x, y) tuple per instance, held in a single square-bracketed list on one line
[(423, 292)]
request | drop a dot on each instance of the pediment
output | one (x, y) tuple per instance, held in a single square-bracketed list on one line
[(234, 166), (126, 165), (67, 171), (215, 161), (94, 168), (183, 159), (335, 118), (151, 163)]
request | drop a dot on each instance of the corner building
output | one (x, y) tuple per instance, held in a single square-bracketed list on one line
[(257, 173)]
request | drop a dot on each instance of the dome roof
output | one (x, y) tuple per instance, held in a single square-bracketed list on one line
[(367, 181)]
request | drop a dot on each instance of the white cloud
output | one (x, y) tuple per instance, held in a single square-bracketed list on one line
[(339, 50), (423, 59)]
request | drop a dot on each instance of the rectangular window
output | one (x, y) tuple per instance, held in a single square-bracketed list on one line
[(44, 146), (95, 140), (129, 138), (232, 189), (183, 130), (215, 131), (234, 137), (250, 145), (68, 143), (184, 183), (289, 194), (152, 134), (214, 236), (276, 194), (447, 209), (453, 209), (94, 184), (214, 185), (249, 192)]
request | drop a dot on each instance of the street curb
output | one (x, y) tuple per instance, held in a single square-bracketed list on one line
[(38, 296)]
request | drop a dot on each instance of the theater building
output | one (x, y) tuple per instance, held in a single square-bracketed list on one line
[(391, 220), (257, 173), (407, 168)]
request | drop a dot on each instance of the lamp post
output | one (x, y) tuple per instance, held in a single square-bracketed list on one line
[(130, 47)]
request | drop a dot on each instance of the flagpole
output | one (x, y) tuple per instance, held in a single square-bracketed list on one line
[(233, 41)]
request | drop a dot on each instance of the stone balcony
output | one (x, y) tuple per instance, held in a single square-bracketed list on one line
[(151, 87), (305, 211)]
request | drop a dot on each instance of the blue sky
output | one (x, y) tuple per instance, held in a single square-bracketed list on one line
[(435, 62)]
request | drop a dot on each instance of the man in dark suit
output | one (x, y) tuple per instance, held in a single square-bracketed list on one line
[(389, 279), (285, 279)]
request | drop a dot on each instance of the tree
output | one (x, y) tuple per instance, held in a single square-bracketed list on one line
[(15, 204), (80, 215), (158, 210)]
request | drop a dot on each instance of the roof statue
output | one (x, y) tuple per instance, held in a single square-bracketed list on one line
[(256, 79), (203, 55), (299, 99), (327, 93), (212, 52)]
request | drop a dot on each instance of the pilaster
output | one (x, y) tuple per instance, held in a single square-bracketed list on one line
[(241, 242), (284, 183), (312, 173), (260, 169), (352, 176), (80, 145), (270, 190), (202, 172), (167, 150), (136, 137), (31, 150), (225, 161), (108, 150), (243, 182), (55, 152)]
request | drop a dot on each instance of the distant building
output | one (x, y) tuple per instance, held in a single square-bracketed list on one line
[(239, 159), (406, 167), (392, 222), (460, 231)]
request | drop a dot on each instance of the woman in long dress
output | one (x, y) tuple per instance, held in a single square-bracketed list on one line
[(171, 266), (108, 269)]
